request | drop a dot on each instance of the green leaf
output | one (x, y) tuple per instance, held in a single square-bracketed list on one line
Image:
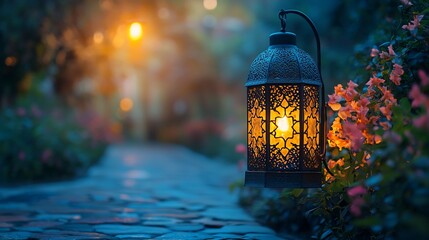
[(297, 192), (385, 44), (368, 221), (405, 104), (236, 185)]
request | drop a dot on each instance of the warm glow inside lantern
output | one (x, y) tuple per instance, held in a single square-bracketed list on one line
[(285, 117)]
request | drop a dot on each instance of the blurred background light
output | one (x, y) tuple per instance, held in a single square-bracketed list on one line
[(10, 61), (210, 4), (136, 31), (126, 104), (181, 85), (98, 37)]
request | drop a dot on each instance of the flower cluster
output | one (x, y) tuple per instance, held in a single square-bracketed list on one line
[(34, 142), (361, 114), (414, 24), (356, 194), (421, 100)]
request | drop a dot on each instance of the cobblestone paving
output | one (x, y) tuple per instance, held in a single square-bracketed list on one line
[(154, 192)]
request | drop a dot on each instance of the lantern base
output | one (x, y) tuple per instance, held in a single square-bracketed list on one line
[(272, 179)]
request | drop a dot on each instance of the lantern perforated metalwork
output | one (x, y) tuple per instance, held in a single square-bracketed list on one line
[(285, 114)]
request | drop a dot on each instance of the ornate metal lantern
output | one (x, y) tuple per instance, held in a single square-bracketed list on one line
[(285, 114)]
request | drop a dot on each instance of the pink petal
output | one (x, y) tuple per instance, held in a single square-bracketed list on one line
[(356, 191), (421, 121), (240, 148), (424, 78), (374, 52), (391, 52)]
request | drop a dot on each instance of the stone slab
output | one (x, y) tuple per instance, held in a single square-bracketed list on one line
[(117, 229)]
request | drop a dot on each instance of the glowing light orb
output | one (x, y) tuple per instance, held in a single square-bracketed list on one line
[(136, 31), (126, 104), (210, 4)]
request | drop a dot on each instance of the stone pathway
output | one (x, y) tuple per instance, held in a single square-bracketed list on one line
[(153, 192)]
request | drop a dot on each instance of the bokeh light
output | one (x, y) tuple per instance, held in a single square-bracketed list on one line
[(10, 61), (210, 4), (136, 31), (98, 37), (126, 104)]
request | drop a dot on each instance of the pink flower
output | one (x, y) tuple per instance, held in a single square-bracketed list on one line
[(391, 52), (422, 121), (356, 191), (240, 148), (345, 112), (374, 52), (406, 2), (385, 125), (415, 23), (339, 90), (364, 102), (352, 84), (334, 102), (397, 69), (362, 109), (395, 79), (384, 55), (352, 132), (370, 91), (419, 99), (377, 139), (375, 81), (356, 206), (388, 97), (424, 78), (374, 119), (350, 93), (395, 75), (386, 112), (331, 164)]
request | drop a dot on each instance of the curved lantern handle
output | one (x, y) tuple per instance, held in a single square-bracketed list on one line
[(323, 121), (282, 17)]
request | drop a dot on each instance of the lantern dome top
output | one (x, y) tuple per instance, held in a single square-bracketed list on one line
[(282, 38), (283, 62)]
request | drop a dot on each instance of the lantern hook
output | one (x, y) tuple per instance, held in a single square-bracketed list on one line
[(282, 17), (323, 122)]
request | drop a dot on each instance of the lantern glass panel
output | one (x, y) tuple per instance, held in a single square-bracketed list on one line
[(311, 127), (284, 127), (256, 127)]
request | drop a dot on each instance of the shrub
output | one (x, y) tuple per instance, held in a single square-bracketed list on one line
[(47, 145)]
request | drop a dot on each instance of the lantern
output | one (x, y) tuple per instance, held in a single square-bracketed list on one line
[(285, 114)]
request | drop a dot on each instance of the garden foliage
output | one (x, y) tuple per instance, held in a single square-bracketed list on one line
[(42, 145), (378, 144), (48, 130)]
